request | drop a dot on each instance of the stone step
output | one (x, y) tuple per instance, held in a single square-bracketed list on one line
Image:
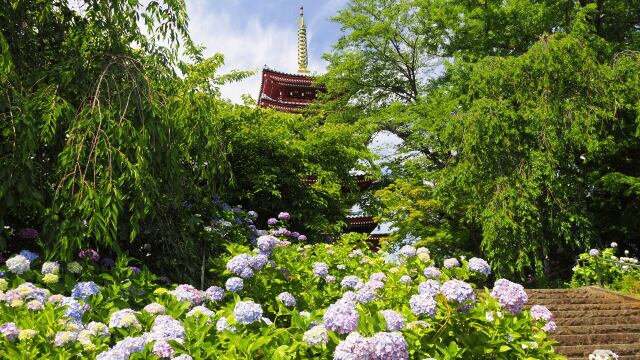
[(585, 314), (597, 339), (600, 329), (584, 307), (592, 321), (623, 357), (583, 351)]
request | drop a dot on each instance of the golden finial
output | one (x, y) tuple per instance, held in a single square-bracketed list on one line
[(303, 60)]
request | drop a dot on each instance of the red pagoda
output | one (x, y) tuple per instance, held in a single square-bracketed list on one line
[(292, 93), (289, 92)]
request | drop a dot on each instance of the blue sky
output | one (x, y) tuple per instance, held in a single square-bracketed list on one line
[(254, 33)]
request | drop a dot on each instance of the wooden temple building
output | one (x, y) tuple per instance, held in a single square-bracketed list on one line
[(292, 92)]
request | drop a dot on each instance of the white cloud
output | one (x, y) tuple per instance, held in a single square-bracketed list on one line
[(246, 45)]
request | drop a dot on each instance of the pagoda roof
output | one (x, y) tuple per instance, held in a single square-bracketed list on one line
[(285, 91)]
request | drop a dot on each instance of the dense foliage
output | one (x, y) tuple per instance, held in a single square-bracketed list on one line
[(520, 143), (605, 268), (110, 140), (290, 301)]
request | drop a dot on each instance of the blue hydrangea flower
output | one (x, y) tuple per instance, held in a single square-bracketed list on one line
[(395, 321), (511, 295), (214, 293), (83, 290), (408, 251), (29, 255), (540, 312), (479, 266), (10, 330), (258, 262), (429, 287), (354, 347), (320, 269), (341, 317), (287, 299), (365, 295), (405, 279), (247, 312), (124, 348), (432, 272), (234, 284), (166, 328), (351, 282), (124, 318), (378, 276), (223, 325), (389, 346), (239, 263), (18, 264), (423, 304), (74, 310), (459, 292), (200, 311)]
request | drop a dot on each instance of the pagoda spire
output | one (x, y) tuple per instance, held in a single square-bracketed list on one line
[(303, 59)]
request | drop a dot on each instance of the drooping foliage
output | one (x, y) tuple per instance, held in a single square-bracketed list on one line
[(110, 139)]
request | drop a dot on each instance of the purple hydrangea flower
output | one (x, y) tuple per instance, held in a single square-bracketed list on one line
[(287, 299), (395, 321), (351, 282), (186, 292), (284, 216), (389, 346), (247, 273), (295, 234), (234, 284), (549, 327), (479, 266), (239, 263), (365, 295), (167, 328), (429, 287), (124, 348), (302, 238), (423, 304), (432, 272), (540, 312), (354, 347), (405, 279), (272, 221), (258, 262), (108, 262), (162, 349), (247, 312), (341, 317), (28, 234), (89, 254), (511, 295), (408, 251), (460, 292), (320, 269), (134, 269), (214, 293), (451, 263), (379, 276), (252, 214), (83, 290), (10, 331), (266, 243)]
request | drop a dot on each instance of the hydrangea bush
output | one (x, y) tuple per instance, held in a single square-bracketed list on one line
[(606, 267), (300, 301)]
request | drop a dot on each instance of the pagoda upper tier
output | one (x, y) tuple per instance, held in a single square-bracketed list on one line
[(286, 92)]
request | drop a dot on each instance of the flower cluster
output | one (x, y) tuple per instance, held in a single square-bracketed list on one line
[(382, 346), (247, 312), (188, 293), (395, 321), (510, 295), (459, 292), (479, 266), (83, 290), (341, 317), (287, 299), (451, 263), (316, 336)]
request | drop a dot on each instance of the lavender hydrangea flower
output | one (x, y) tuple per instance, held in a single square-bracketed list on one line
[(341, 317), (167, 328), (9, 330), (405, 279), (432, 272), (540, 312), (423, 304), (234, 284), (451, 263), (287, 299), (247, 273), (266, 243), (479, 266), (74, 310), (594, 252), (214, 293), (50, 267), (247, 312), (29, 255), (18, 264), (614, 244), (223, 325), (83, 290), (284, 216), (459, 292), (320, 269), (258, 262), (183, 357), (351, 282), (35, 305), (239, 263), (302, 238), (354, 347), (316, 336), (429, 287), (549, 327), (64, 337), (378, 276), (408, 251), (124, 318), (200, 311), (511, 295), (389, 346), (89, 254), (252, 214), (272, 221), (365, 295), (188, 293), (395, 321), (98, 329), (124, 348), (155, 309), (162, 349), (28, 234)]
